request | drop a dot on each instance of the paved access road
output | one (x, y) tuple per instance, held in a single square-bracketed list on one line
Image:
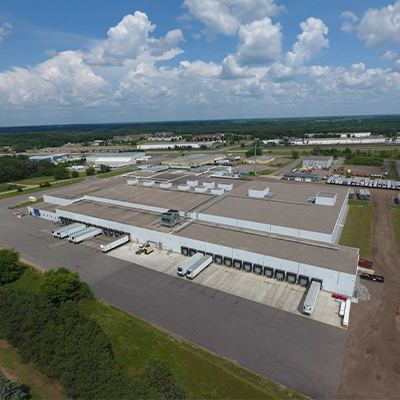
[(299, 353)]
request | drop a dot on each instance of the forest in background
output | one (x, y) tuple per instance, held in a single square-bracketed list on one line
[(22, 138)]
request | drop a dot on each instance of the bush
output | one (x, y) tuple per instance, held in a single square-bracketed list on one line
[(74, 174), (104, 168), (10, 267), (19, 189), (10, 390), (62, 285), (364, 160), (61, 173), (90, 171), (250, 152), (45, 184)]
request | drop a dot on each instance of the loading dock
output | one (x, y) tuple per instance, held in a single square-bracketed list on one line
[(257, 269), (228, 261), (291, 277), (268, 272), (279, 274), (304, 280), (237, 264), (247, 266)]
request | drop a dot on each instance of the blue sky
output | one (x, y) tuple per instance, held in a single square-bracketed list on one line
[(101, 61)]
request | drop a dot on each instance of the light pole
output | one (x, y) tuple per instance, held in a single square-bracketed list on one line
[(255, 155)]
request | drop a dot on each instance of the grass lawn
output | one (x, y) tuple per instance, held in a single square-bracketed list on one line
[(203, 374), (5, 187), (357, 231), (115, 173), (395, 211), (41, 387), (39, 189), (30, 203), (35, 181), (265, 172)]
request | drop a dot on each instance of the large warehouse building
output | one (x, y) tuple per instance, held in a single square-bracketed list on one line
[(282, 229), (318, 162), (193, 160), (115, 159)]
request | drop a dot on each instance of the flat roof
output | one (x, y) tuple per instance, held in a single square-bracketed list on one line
[(342, 259), (196, 157), (109, 212), (114, 155), (318, 158), (44, 206), (288, 206), (260, 157)]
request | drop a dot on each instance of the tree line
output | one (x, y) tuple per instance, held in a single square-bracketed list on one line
[(48, 328)]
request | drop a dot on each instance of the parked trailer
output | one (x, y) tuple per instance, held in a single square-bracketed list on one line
[(351, 193), (88, 233), (71, 231), (116, 243), (361, 195), (54, 232), (199, 266), (367, 194), (342, 309), (346, 316), (311, 298), (182, 269)]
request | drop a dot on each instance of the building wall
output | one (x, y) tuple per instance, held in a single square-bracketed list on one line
[(49, 215), (307, 163)]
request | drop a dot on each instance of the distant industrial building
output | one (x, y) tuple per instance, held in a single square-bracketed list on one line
[(332, 141), (299, 176), (194, 160), (279, 229), (319, 162), (50, 157), (173, 145), (115, 159), (259, 160)]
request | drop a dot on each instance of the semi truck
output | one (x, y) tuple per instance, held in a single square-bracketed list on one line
[(199, 266), (64, 228), (74, 228), (311, 298), (183, 268), (116, 243), (88, 233)]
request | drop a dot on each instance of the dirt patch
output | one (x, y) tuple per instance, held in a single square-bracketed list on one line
[(371, 367)]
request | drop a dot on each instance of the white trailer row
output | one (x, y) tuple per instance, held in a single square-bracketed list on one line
[(364, 182), (116, 243), (69, 230), (88, 233), (194, 265)]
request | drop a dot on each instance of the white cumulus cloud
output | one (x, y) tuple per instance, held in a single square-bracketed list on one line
[(380, 27), (225, 16), (131, 39), (389, 55), (309, 43), (259, 42), (349, 18)]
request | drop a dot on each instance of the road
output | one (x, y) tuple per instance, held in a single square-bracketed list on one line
[(372, 362), (299, 353)]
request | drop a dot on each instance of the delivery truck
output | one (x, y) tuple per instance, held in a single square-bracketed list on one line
[(88, 233), (198, 267), (311, 298), (74, 228)]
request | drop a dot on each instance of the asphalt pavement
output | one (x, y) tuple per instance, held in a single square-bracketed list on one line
[(302, 354)]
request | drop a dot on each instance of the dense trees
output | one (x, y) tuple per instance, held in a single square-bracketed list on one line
[(10, 390), (104, 168), (251, 152), (90, 171), (54, 136), (62, 285), (10, 267)]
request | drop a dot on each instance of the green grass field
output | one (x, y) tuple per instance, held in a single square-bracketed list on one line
[(5, 187), (203, 374), (115, 173), (39, 189), (395, 212), (357, 231), (35, 181)]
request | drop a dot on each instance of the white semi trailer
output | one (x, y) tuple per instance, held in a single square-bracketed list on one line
[(64, 228), (118, 242), (199, 266), (183, 268), (70, 231), (311, 298), (88, 233)]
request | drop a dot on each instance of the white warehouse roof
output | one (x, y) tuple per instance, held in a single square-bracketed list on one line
[(114, 158)]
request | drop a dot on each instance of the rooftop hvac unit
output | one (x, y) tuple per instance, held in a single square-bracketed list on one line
[(217, 192), (132, 182), (210, 185), (165, 185), (149, 183), (225, 186), (184, 188), (170, 218), (192, 183), (258, 192), (201, 189)]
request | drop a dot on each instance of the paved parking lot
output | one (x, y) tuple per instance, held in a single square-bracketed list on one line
[(260, 289), (302, 354)]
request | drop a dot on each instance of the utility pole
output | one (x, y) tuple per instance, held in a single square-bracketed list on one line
[(255, 155)]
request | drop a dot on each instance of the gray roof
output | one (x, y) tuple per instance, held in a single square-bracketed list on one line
[(342, 259), (318, 158)]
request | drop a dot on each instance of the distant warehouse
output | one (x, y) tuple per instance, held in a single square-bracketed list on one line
[(194, 160), (259, 160), (318, 161), (299, 176), (50, 157), (115, 159)]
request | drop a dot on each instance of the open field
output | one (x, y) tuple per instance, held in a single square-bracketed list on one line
[(4, 187), (30, 203), (357, 231), (135, 342), (41, 387), (39, 189), (395, 213), (35, 181), (115, 173)]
